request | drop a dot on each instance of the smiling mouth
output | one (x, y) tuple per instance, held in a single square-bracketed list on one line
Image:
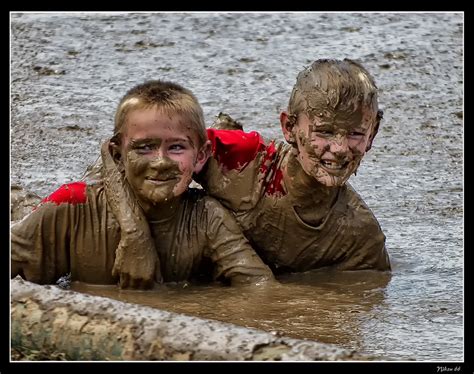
[(160, 181), (333, 165)]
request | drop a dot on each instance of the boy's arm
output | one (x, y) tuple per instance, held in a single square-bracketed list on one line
[(233, 173), (371, 255), (369, 250), (40, 241), (230, 251), (136, 263)]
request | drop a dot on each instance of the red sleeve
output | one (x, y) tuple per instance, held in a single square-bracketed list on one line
[(234, 149), (71, 193)]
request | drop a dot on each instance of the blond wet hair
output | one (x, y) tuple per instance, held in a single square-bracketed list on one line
[(333, 85), (169, 97)]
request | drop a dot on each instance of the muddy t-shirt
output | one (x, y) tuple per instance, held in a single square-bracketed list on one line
[(247, 176), (73, 230)]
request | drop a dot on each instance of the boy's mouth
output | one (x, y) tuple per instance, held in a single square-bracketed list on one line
[(334, 165), (161, 180)]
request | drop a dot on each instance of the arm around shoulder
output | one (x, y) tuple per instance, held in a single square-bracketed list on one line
[(230, 251)]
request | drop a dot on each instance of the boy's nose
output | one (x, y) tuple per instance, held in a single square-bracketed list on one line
[(338, 144), (160, 155), (162, 163)]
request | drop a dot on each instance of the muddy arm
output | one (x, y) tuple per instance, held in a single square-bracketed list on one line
[(39, 249), (136, 263), (232, 254)]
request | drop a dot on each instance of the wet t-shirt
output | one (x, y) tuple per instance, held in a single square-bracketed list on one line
[(73, 230), (247, 176)]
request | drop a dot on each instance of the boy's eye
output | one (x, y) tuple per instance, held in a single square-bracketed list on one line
[(143, 148), (324, 133), (176, 147), (356, 134)]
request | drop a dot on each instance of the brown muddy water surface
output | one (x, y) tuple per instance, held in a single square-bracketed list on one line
[(68, 72)]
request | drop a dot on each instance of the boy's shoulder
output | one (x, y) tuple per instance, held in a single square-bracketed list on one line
[(351, 196), (69, 193), (354, 206), (199, 196), (74, 193)]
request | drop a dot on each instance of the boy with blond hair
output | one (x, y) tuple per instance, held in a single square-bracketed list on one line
[(139, 223)]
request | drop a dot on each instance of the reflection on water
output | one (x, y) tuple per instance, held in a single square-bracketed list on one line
[(330, 307)]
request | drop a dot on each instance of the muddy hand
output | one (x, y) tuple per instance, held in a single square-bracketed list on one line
[(226, 122), (133, 271), (136, 262)]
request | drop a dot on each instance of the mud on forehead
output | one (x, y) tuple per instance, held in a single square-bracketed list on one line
[(351, 112), (326, 93), (181, 124)]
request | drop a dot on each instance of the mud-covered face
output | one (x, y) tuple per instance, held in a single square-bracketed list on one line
[(159, 154), (331, 148)]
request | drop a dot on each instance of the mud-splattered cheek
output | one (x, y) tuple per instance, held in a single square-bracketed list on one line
[(139, 169), (185, 177), (312, 149), (302, 138), (305, 149), (300, 151), (135, 165), (312, 157), (357, 148)]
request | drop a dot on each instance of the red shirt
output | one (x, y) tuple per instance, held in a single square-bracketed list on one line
[(234, 149)]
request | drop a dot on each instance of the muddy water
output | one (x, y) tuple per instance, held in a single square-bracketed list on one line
[(68, 72)]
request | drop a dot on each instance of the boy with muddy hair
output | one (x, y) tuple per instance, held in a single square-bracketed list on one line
[(140, 223), (293, 200)]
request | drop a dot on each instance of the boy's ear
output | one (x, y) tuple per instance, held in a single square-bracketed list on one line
[(202, 156), (375, 129), (287, 126), (114, 149)]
